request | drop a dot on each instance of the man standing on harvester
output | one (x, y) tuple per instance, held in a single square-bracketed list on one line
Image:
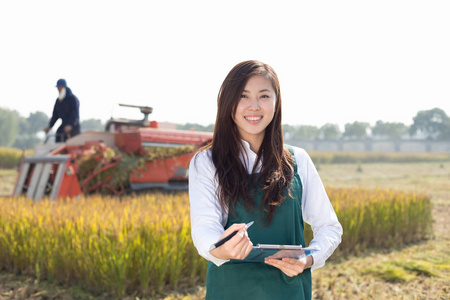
[(67, 108)]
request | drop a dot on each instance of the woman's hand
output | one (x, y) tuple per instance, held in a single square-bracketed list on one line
[(291, 266), (238, 247)]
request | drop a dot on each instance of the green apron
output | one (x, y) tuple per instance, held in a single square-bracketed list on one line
[(238, 280)]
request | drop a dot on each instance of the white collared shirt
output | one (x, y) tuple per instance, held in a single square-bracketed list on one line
[(208, 219)]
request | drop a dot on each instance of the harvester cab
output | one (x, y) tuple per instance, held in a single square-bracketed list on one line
[(130, 155)]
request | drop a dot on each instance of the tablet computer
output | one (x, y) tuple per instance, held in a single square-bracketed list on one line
[(261, 251)]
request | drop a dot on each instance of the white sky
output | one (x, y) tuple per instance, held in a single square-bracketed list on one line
[(338, 61)]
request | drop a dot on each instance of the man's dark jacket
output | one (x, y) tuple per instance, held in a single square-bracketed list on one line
[(68, 110)]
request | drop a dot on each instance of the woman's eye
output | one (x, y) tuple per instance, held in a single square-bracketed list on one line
[(265, 96), (243, 96)]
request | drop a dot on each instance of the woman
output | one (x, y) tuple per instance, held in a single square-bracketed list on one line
[(247, 174)]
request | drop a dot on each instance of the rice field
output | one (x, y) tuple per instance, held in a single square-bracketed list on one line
[(120, 246), (106, 245), (101, 237)]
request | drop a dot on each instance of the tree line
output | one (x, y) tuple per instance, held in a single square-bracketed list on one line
[(21, 132), (434, 124)]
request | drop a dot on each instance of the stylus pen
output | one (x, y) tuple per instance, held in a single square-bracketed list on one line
[(227, 238)]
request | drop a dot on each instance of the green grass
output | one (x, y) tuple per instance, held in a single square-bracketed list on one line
[(401, 270)]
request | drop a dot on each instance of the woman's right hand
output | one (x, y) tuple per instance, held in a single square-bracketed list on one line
[(238, 247)]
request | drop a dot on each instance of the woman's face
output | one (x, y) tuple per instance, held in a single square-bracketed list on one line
[(255, 110)]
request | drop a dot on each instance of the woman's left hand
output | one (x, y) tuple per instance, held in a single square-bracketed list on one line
[(291, 266)]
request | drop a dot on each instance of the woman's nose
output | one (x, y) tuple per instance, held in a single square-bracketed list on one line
[(254, 104)]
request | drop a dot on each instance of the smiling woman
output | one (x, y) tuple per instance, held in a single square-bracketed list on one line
[(247, 174)]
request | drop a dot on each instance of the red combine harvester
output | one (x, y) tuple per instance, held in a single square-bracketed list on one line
[(52, 172)]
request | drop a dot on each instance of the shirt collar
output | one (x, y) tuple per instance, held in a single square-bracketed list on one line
[(248, 157)]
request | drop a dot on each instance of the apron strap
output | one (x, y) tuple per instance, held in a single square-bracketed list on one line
[(294, 163)]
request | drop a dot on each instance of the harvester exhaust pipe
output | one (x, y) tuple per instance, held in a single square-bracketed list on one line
[(146, 110)]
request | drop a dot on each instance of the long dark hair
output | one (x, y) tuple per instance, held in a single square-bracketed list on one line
[(276, 173)]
